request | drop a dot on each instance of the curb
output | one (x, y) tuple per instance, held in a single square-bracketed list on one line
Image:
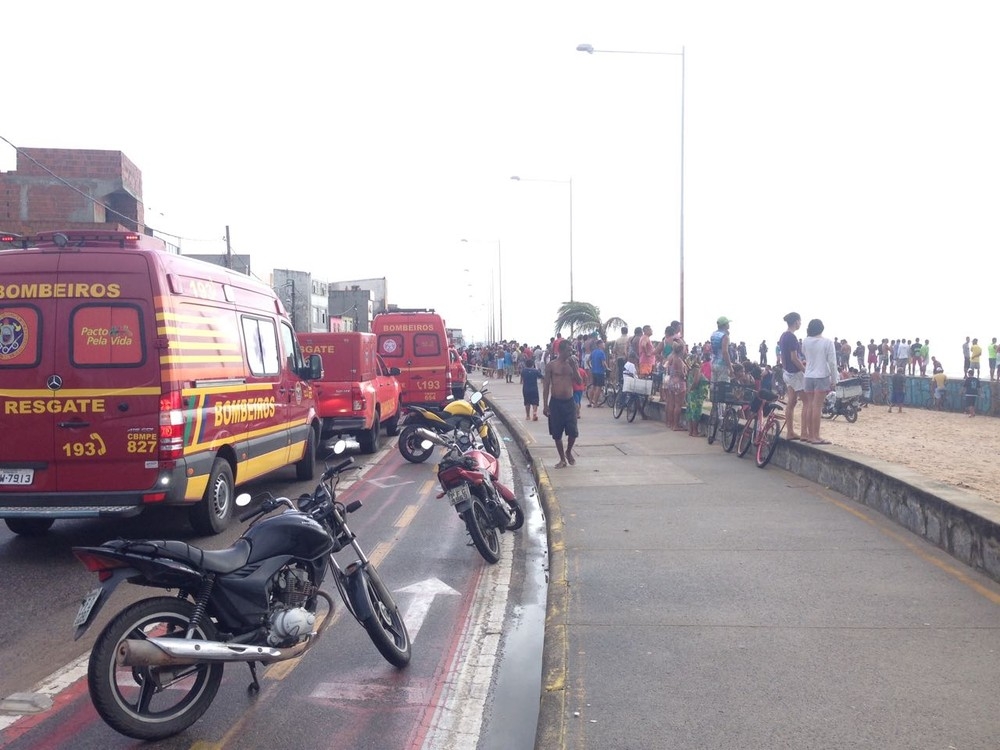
[(551, 729)]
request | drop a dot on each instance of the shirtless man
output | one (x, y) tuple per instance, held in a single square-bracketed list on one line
[(560, 376)]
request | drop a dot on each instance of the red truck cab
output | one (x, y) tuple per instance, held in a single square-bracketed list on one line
[(357, 394)]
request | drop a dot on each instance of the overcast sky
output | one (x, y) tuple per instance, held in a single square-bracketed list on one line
[(841, 160)]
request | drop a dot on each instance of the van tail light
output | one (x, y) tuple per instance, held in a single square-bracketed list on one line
[(171, 426), (357, 399)]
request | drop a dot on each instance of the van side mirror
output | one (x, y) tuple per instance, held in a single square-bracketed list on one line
[(395, 371), (313, 368)]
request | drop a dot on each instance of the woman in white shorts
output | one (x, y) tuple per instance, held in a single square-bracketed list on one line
[(793, 371), (820, 379)]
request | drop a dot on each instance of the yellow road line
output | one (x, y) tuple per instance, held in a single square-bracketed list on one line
[(904, 538)]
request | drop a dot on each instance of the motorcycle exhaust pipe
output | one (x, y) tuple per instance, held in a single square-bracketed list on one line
[(164, 652)]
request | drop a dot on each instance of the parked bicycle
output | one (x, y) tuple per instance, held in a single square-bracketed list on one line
[(609, 394), (727, 398), (763, 427), (633, 397)]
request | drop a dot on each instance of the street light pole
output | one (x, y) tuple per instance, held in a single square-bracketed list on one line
[(589, 49), (561, 182), (499, 284)]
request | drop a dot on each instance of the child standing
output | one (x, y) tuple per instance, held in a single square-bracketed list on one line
[(898, 386)]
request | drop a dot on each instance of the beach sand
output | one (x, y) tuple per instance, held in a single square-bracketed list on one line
[(951, 448)]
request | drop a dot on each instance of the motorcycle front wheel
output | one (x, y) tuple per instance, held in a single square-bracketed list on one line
[(410, 446), (481, 529), (150, 703), (851, 413), (385, 627), (492, 442)]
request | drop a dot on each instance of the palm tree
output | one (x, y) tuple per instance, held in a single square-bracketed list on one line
[(584, 317)]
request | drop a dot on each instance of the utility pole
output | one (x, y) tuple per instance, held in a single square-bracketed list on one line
[(229, 251)]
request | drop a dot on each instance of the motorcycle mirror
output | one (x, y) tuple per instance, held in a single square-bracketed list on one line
[(339, 447), (476, 397), (243, 499)]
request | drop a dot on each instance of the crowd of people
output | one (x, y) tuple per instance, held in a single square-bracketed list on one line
[(573, 371)]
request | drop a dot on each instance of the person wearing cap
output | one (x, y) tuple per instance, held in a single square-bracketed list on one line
[(721, 364)]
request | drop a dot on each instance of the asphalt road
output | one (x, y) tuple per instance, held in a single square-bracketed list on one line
[(476, 629)]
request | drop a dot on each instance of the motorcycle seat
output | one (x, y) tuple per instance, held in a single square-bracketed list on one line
[(215, 561)]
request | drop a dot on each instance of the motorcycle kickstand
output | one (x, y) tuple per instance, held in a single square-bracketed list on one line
[(254, 687)]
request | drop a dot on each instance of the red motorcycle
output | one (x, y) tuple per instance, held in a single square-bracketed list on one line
[(470, 478)]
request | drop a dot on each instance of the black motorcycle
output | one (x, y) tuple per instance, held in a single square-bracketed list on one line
[(156, 667)]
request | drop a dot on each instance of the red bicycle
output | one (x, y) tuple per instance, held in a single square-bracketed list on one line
[(763, 427)]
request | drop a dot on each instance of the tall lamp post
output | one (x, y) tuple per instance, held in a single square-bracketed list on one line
[(499, 283), (589, 49), (561, 182)]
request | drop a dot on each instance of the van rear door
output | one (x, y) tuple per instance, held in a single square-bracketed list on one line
[(83, 398), (105, 357)]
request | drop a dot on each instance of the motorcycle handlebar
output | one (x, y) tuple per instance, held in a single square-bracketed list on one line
[(335, 470)]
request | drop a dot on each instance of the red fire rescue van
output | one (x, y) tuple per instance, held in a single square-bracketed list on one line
[(130, 377)]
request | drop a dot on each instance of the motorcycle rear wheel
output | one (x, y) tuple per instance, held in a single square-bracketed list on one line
[(150, 703), (385, 627), (481, 529), (410, 446)]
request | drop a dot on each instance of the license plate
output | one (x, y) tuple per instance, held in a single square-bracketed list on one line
[(86, 605), (17, 476), (459, 494)]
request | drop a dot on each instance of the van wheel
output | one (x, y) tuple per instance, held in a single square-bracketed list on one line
[(29, 526), (213, 514), (368, 440), (305, 469), (392, 426)]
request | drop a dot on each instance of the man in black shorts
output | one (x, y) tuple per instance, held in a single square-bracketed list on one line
[(561, 375)]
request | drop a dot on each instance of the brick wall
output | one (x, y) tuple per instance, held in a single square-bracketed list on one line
[(33, 200)]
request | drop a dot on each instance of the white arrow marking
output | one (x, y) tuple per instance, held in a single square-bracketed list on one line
[(423, 596), (384, 485)]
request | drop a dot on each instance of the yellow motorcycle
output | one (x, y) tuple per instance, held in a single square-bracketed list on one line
[(462, 419)]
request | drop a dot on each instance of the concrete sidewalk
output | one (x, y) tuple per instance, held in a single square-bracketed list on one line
[(696, 601)]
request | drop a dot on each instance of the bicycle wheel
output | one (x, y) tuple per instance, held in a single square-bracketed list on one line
[(713, 423), (746, 437), (619, 407), (633, 408), (730, 429), (768, 442), (610, 394)]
